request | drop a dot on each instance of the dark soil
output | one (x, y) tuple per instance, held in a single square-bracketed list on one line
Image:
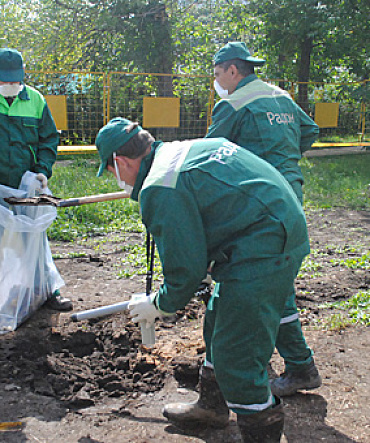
[(92, 381)]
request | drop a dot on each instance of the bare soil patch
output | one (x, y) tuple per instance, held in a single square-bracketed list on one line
[(91, 381)]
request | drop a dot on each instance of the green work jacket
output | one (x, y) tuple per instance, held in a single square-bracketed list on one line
[(265, 120), (209, 200), (28, 137)]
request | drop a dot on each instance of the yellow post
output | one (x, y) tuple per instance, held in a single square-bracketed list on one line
[(108, 96), (210, 104), (104, 99)]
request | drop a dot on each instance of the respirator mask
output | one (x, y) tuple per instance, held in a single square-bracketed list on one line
[(121, 184), (10, 89), (223, 93)]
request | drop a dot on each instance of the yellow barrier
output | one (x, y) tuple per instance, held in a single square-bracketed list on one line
[(68, 150), (340, 145)]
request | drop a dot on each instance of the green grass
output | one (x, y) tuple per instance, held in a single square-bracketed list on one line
[(77, 179), (330, 138), (355, 310), (337, 181), (135, 263)]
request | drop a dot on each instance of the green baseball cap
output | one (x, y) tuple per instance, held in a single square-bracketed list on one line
[(111, 137), (236, 50), (11, 65)]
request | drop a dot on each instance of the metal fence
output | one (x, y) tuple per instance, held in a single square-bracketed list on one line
[(352, 100), (94, 98), (86, 98), (127, 92)]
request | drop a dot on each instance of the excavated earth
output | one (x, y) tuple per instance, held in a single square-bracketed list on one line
[(92, 381)]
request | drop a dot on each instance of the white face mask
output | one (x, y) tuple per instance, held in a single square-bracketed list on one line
[(121, 184), (223, 93), (10, 90)]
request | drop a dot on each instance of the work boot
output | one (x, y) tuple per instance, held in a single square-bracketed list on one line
[(263, 427), (292, 381), (59, 303), (209, 409)]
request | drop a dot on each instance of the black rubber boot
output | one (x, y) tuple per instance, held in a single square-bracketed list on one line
[(59, 303), (263, 427), (210, 408), (292, 381)]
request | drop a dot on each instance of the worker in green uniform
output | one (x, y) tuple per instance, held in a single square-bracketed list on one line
[(28, 135), (209, 201), (265, 120)]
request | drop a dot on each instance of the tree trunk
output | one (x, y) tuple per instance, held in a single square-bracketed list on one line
[(281, 61), (164, 63), (304, 73)]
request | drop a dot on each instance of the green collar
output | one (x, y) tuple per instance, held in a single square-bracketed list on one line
[(23, 95), (145, 166), (249, 78)]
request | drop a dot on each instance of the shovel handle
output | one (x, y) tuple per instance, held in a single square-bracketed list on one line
[(92, 199)]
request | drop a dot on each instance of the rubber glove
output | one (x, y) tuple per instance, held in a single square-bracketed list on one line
[(42, 179), (143, 309)]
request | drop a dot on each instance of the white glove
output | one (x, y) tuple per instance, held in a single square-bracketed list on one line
[(143, 310), (42, 179)]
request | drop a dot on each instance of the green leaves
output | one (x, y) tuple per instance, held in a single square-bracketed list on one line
[(167, 36), (357, 310), (362, 262)]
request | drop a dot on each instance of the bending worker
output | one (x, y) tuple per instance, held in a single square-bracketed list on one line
[(211, 201), (28, 135), (265, 120)]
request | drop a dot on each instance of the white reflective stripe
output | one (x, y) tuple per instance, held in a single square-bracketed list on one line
[(167, 164), (208, 364), (179, 152), (255, 407), (254, 91), (289, 319)]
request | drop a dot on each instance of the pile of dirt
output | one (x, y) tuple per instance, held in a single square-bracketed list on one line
[(79, 366), (82, 363)]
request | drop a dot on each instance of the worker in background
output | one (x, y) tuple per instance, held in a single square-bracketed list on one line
[(28, 136), (265, 120), (209, 201)]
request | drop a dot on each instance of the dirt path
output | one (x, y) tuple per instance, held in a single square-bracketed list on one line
[(91, 382)]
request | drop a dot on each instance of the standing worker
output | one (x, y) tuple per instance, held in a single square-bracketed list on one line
[(265, 120), (28, 136), (210, 201)]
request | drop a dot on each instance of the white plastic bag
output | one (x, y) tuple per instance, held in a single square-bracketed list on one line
[(28, 274)]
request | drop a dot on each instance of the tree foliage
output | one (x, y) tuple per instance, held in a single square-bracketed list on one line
[(301, 39), (313, 40)]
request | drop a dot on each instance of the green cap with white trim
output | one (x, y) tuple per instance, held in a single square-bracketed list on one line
[(111, 137)]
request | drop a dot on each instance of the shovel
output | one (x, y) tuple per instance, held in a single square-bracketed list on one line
[(51, 200)]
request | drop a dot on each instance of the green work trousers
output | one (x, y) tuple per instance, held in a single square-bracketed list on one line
[(241, 326), (290, 342)]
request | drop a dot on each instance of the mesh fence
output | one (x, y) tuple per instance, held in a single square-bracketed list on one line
[(127, 92), (86, 97), (352, 99), (94, 98)]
